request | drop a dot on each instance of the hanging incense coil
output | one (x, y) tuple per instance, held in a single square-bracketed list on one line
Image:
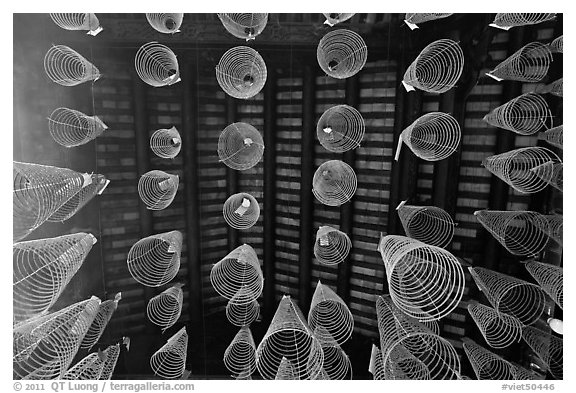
[(508, 20), (240, 146), (240, 355), (329, 317), (524, 115), (335, 18), (554, 136), (498, 329), (65, 66), (332, 246), (425, 282), (556, 227), (412, 20), (528, 64), (42, 269), (166, 143), (71, 128), (428, 224), (548, 347), (241, 72), (286, 371), (240, 313), (409, 349), (550, 278), (155, 260), (170, 360), (341, 53), (432, 137), (244, 26), (44, 346), (437, 68), (78, 21), (39, 191), (487, 365), (515, 167), (376, 366), (240, 269), (101, 319), (241, 211), (95, 366), (509, 295), (96, 187), (167, 23), (290, 337), (157, 189), (522, 233), (555, 88), (552, 173), (340, 128), (164, 309), (157, 65), (557, 46), (336, 365), (334, 183)]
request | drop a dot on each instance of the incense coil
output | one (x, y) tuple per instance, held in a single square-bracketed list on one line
[(244, 26), (290, 337), (105, 311), (165, 308), (557, 46), (522, 233), (78, 21), (498, 329), (329, 317), (524, 115), (425, 282), (167, 23), (240, 269), (286, 371), (414, 19), (71, 128), (336, 364), (95, 366), (556, 227), (44, 346), (240, 313), (157, 65), (514, 19), (65, 66), (428, 224), (39, 191), (409, 349), (432, 137), (240, 355), (341, 53), (486, 364), (334, 183), (240, 146), (241, 72), (509, 295), (528, 64), (515, 167), (437, 68), (335, 18), (552, 173), (155, 260), (548, 347), (550, 278), (331, 246), (166, 143), (241, 211), (170, 360), (157, 189), (42, 269), (97, 185), (340, 128), (554, 136), (555, 88)]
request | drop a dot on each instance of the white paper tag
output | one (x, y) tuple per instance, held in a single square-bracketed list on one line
[(408, 87), (373, 355), (243, 208), (401, 204), (327, 22), (87, 179), (95, 32), (104, 187), (99, 121), (494, 77), (500, 27), (412, 26), (398, 148), (94, 240)]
